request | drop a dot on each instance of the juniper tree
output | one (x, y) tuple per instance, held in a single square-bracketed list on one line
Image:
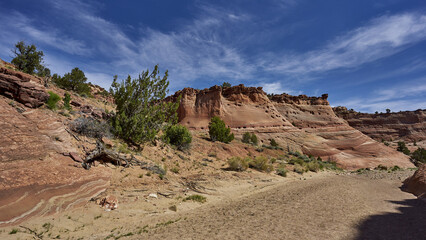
[(141, 109), (29, 60)]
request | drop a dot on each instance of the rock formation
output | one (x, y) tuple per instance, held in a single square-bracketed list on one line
[(416, 184), (35, 178), (408, 125), (302, 123), (22, 87)]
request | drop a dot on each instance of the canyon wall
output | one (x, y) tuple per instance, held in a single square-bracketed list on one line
[(407, 125), (301, 123)]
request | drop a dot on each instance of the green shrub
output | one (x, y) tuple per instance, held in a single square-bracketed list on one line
[(273, 143), (179, 136), (261, 163), (253, 139), (53, 100), (403, 148), (91, 127), (299, 169), (282, 171), (313, 166), (381, 167), (219, 132), (14, 231), (196, 198), (74, 81), (226, 84), (418, 157), (395, 168), (246, 137), (67, 99), (238, 164)]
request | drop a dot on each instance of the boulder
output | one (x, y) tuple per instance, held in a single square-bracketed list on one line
[(109, 202), (416, 184), (75, 157)]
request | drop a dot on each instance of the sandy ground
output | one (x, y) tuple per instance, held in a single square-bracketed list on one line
[(316, 206)]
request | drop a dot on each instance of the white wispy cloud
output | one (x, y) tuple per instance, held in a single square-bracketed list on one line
[(406, 96), (21, 27), (382, 37), (277, 88)]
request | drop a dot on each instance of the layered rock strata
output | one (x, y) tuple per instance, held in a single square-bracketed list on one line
[(407, 125)]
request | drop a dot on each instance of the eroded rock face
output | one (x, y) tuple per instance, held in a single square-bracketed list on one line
[(302, 123), (240, 107), (408, 125), (22, 87), (416, 184), (36, 179)]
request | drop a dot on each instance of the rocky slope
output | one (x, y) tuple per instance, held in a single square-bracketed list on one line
[(301, 123), (408, 125), (35, 177)]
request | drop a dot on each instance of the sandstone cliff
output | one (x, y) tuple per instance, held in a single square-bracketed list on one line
[(416, 184), (301, 123), (408, 125)]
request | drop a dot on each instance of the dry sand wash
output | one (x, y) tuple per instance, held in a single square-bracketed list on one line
[(336, 207)]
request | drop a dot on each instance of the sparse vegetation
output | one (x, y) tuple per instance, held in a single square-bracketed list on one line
[(273, 143), (281, 171), (53, 100), (196, 198), (91, 127), (14, 231), (219, 132), (418, 157), (141, 110), (178, 136), (226, 84), (403, 148), (250, 138), (261, 163), (381, 167), (238, 164)]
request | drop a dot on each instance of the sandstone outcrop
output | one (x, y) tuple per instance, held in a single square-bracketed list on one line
[(407, 125), (35, 178), (301, 123), (416, 184), (22, 87)]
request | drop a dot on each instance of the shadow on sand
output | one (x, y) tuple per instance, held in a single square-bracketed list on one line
[(410, 223)]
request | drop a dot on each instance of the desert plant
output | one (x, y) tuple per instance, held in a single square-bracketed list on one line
[(178, 135), (219, 132), (261, 163), (299, 169), (53, 100), (253, 139), (281, 171), (273, 143), (196, 198), (246, 137), (141, 109), (418, 157), (66, 100), (91, 127), (403, 148), (313, 166), (226, 84), (381, 167), (238, 164)]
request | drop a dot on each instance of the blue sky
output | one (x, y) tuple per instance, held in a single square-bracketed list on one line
[(368, 55)]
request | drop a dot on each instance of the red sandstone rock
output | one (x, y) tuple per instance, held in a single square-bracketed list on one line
[(22, 87), (109, 202), (407, 125), (416, 184), (76, 157)]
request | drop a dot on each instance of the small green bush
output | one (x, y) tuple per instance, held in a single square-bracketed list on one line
[(179, 136), (313, 166), (67, 99), (299, 169), (238, 164), (253, 139), (394, 168), (53, 100), (246, 137), (273, 143), (196, 198), (261, 163), (381, 167), (219, 132), (282, 171), (14, 231)]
